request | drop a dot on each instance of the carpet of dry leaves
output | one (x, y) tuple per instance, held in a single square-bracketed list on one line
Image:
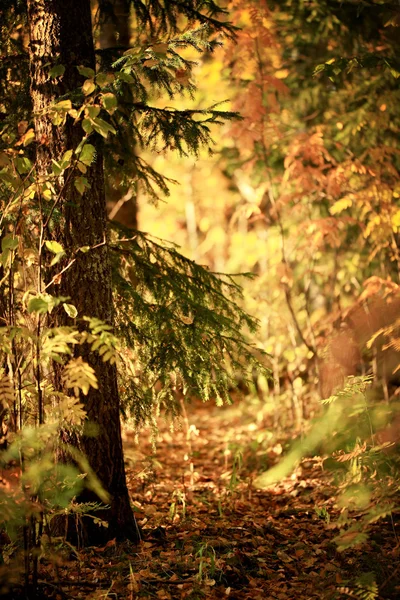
[(208, 533)]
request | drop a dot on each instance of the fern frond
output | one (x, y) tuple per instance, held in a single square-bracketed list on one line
[(79, 376)]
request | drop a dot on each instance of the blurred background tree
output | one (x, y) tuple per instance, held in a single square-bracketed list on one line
[(307, 189)]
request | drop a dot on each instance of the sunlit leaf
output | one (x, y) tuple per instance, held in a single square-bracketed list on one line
[(71, 310), (88, 87)]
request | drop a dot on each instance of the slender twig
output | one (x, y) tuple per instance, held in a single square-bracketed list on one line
[(57, 275)]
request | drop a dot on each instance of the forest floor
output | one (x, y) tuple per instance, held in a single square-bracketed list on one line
[(209, 534)]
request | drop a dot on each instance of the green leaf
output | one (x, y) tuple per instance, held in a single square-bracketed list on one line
[(86, 71), (109, 102), (57, 258), (87, 126), (57, 71), (4, 256), (127, 77), (9, 243), (23, 164), (71, 310), (81, 184), (63, 105), (103, 127), (47, 193), (319, 69), (39, 305), (87, 154), (56, 168), (66, 159), (93, 111), (56, 249), (103, 79), (59, 167), (54, 246)]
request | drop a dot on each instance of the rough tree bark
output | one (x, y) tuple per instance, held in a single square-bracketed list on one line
[(61, 33)]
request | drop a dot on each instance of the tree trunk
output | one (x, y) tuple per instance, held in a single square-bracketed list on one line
[(61, 33)]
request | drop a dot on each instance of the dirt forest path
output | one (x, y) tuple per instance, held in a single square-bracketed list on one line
[(208, 533)]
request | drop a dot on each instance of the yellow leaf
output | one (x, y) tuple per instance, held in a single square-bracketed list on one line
[(88, 87), (341, 205), (28, 137), (282, 73), (396, 220)]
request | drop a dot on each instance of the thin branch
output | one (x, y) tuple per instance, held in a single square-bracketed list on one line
[(57, 275)]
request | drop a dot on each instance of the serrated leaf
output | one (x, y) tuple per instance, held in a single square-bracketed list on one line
[(71, 310), (87, 154), (86, 71)]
